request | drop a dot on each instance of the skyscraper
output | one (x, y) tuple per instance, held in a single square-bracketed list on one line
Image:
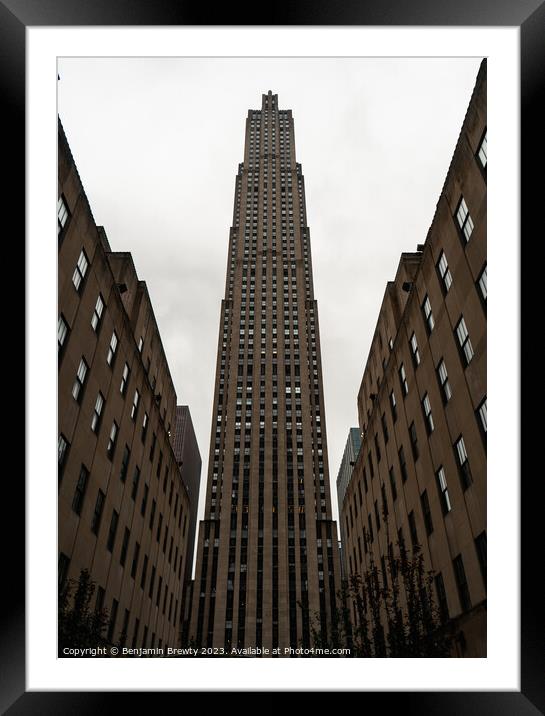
[(267, 562)]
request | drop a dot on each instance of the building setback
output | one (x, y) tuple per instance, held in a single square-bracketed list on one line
[(421, 472), (268, 541), (124, 511)]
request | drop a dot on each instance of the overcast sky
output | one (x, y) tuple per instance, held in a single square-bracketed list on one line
[(157, 143)]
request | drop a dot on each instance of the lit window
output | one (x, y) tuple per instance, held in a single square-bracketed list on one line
[(426, 406), (97, 313), (414, 351), (482, 152), (135, 402), (62, 214), (443, 381), (97, 413), (465, 222), (483, 288), (140, 344), (112, 440), (482, 415), (112, 348), (403, 380), (428, 315), (80, 270), (62, 332), (463, 463), (444, 271), (62, 450), (463, 341), (443, 490), (124, 378), (80, 380)]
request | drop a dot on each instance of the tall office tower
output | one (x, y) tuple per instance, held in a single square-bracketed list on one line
[(350, 455), (268, 543)]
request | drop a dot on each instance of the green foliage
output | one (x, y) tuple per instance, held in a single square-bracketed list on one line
[(388, 615), (80, 626)]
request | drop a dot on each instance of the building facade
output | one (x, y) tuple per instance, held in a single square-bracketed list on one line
[(420, 478), (124, 511), (350, 454), (268, 541)]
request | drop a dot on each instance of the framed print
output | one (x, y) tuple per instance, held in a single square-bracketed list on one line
[(150, 546)]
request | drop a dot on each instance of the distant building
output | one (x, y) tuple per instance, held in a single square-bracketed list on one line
[(189, 461), (124, 510), (420, 477), (348, 461)]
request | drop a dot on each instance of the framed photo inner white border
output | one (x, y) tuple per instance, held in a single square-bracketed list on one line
[(501, 669)]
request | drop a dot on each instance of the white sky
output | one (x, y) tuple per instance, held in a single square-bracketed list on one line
[(157, 143)]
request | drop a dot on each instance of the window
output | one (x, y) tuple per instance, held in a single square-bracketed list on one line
[(124, 547), (414, 351), (62, 214), (426, 511), (465, 222), (480, 546), (442, 375), (428, 315), (144, 427), (140, 344), (62, 332), (444, 272), (64, 563), (482, 152), (443, 490), (80, 271), (125, 463), (441, 598), (124, 379), (393, 486), (385, 433), (412, 529), (97, 413), (79, 493), (112, 531), (463, 463), (112, 349), (77, 389), (62, 446), (461, 583), (144, 500), (135, 481), (402, 464), (97, 514), (466, 349), (481, 412), (113, 617), (428, 417), (112, 440), (414, 441), (393, 406), (403, 380), (97, 313), (377, 448), (135, 401), (483, 285), (134, 565)]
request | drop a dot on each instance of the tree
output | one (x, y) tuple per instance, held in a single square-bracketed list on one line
[(80, 625), (389, 612)]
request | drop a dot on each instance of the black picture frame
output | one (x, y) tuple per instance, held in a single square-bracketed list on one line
[(529, 16)]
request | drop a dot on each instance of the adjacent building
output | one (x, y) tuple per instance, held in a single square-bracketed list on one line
[(420, 477), (124, 509), (350, 454), (267, 558)]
